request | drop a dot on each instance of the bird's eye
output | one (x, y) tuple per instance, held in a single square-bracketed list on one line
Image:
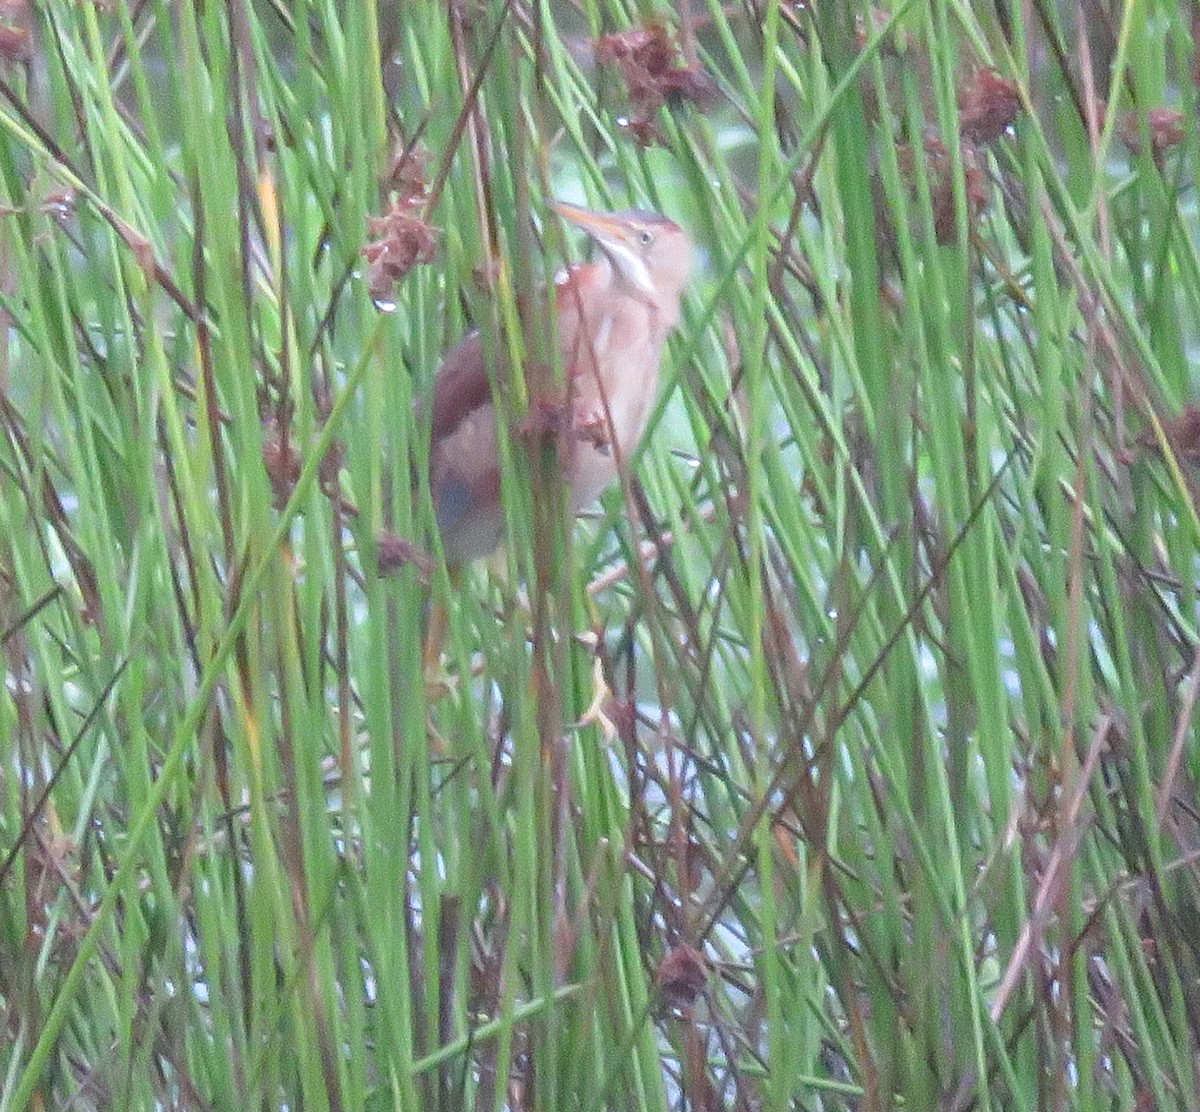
[(645, 238)]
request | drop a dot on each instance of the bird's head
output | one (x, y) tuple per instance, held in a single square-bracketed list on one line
[(648, 253)]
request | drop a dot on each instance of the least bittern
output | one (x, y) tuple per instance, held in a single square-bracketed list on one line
[(613, 317)]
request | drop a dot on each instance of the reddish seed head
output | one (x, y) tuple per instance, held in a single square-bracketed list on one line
[(654, 75), (988, 107)]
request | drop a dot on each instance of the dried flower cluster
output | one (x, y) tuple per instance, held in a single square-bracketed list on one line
[(1182, 433), (655, 75), (282, 459), (987, 108), (16, 45), (681, 976), (401, 238), (1164, 126), (394, 553)]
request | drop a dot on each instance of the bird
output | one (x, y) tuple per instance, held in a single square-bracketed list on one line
[(613, 318)]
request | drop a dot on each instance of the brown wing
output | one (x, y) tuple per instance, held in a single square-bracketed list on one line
[(464, 465), (461, 386)]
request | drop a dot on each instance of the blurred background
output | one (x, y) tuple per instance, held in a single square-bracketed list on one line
[(841, 757)]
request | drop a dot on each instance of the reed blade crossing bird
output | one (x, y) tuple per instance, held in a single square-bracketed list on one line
[(614, 316)]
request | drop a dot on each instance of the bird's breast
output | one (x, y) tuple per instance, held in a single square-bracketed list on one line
[(612, 353)]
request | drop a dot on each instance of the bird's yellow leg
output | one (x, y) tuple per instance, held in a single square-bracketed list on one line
[(437, 681), (435, 638)]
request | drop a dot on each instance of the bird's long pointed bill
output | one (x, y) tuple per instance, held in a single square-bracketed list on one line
[(611, 233)]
